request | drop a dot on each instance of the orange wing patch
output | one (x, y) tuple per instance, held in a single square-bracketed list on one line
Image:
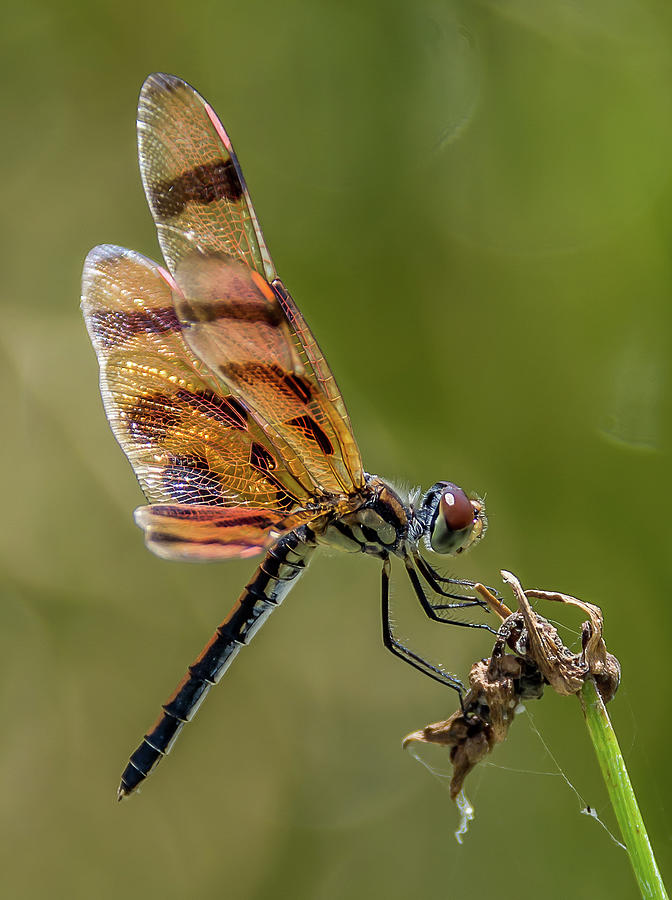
[(194, 186), (238, 318), (195, 533), (189, 441), (241, 333)]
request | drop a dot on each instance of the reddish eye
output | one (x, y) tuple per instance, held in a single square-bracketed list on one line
[(456, 508), (457, 522)]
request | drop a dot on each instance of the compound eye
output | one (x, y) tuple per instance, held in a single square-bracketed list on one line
[(456, 522), (456, 509)]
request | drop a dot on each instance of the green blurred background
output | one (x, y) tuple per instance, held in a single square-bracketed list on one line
[(471, 202)]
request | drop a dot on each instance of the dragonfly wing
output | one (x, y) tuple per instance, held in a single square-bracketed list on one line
[(194, 186), (239, 320), (196, 533), (190, 442)]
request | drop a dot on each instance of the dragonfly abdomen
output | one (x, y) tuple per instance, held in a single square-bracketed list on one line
[(272, 581)]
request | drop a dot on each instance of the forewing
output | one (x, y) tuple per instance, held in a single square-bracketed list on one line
[(238, 317), (192, 179), (189, 441)]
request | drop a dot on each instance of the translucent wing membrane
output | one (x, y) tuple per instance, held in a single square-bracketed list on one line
[(207, 533), (192, 179), (190, 442), (236, 325), (238, 318)]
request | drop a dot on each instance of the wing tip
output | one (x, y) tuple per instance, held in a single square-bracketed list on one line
[(161, 82), (95, 260), (103, 255)]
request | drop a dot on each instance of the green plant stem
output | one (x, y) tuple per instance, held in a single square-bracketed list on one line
[(621, 793)]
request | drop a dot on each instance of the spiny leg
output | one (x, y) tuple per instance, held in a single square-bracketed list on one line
[(431, 611), (398, 649), (435, 579), (462, 600)]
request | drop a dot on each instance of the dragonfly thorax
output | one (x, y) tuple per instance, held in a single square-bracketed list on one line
[(378, 527), (447, 519)]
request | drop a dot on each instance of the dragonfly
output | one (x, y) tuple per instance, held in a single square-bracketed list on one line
[(221, 399)]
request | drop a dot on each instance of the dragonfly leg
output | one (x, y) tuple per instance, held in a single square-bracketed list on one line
[(433, 611), (402, 652), (434, 579)]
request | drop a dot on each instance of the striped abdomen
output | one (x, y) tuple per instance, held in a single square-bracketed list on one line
[(272, 581)]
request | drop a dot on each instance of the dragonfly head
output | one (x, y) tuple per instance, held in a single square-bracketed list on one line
[(453, 521)]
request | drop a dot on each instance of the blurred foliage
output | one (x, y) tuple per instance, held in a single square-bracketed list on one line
[(471, 202)]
